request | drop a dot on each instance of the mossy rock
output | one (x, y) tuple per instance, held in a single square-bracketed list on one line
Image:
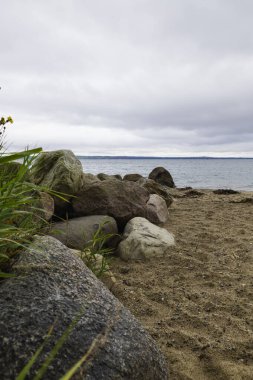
[(59, 171)]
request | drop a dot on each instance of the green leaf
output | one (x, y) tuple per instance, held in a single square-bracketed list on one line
[(6, 275), (22, 375), (19, 155), (57, 347)]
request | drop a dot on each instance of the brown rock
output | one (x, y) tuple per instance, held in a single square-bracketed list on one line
[(132, 177), (104, 177), (122, 200), (155, 188)]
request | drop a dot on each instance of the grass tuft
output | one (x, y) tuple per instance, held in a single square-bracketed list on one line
[(95, 255)]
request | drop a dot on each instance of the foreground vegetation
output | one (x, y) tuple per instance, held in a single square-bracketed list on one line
[(21, 218), (18, 199)]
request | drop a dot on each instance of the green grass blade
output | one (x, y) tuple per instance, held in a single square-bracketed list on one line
[(19, 155), (6, 275), (75, 367), (56, 348), (22, 375)]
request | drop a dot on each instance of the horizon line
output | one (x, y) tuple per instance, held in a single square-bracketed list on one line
[(164, 157)]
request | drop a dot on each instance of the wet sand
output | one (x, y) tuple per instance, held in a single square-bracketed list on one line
[(197, 300)]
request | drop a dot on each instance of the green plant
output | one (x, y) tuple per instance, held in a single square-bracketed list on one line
[(95, 254), (53, 352), (3, 122), (18, 200), (20, 214)]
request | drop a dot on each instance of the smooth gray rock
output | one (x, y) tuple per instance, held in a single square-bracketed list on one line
[(77, 233), (60, 171), (143, 240), (157, 210), (156, 188), (123, 200), (162, 176), (132, 177), (53, 287)]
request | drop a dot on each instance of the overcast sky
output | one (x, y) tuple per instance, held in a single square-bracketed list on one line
[(129, 77)]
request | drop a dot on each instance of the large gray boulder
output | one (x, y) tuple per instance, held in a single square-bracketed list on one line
[(162, 176), (60, 171), (155, 188), (157, 210), (77, 233), (143, 240), (123, 200), (52, 288)]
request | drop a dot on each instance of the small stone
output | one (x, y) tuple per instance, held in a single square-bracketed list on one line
[(124, 270)]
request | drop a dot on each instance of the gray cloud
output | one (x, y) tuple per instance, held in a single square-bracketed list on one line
[(129, 77)]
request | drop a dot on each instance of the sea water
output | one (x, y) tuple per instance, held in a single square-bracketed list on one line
[(205, 173)]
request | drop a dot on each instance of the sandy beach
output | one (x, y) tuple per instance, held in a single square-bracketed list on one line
[(197, 300)]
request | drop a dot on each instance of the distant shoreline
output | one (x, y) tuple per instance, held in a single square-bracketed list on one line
[(165, 158), (197, 172)]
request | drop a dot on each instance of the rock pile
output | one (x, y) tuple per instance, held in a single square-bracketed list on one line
[(53, 283), (85, 194)]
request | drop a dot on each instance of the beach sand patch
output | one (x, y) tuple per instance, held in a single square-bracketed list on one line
[(197, 301)]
